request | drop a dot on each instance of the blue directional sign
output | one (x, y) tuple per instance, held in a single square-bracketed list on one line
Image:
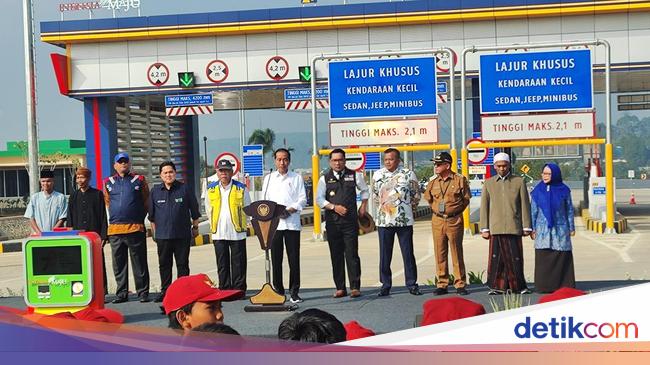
[(373, 161), (441, 87), (536, 81), (253, 159), (599, 190), (188, 100), (396, 87), (304, 94)]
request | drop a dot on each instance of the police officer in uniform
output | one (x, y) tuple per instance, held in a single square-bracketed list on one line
[(337, 195), (449, 194)]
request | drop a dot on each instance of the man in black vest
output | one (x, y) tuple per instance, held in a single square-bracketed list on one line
[(337, 195)]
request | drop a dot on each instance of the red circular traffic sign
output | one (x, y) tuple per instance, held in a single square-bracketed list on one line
[(277, 68), (443, 64), (230, 157), (355, 161), (477, 155), (158, 74), (217, 71)]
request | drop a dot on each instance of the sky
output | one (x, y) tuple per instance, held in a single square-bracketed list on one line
[(60, 117)]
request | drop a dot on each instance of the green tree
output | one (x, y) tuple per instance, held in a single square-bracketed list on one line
[(265, 137)]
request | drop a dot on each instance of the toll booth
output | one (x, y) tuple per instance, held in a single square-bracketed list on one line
[(63, 272)]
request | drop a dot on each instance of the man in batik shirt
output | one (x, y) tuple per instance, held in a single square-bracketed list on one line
[(397, 193)]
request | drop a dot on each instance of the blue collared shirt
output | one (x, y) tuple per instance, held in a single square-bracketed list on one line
[(47, 209), (172, 210)]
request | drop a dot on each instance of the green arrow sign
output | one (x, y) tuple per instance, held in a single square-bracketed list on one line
[(186, 79), (305, 73)]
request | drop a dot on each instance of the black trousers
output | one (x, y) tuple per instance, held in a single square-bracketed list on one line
[(386, 243), (343, 240), (168, 249), (290, 239), (231, 264), (133, 245)]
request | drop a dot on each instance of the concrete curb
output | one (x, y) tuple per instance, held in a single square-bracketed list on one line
[(16, 246), (598, 226)]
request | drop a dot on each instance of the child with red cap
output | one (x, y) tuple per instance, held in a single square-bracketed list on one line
[(194, 300), (449, 309)]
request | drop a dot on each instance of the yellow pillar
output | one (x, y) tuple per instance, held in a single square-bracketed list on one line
[(465, 171), (609, 187), (454, 158), (315, 176)]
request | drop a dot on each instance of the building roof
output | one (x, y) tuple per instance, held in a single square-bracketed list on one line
[(47, 147), (321, 17)]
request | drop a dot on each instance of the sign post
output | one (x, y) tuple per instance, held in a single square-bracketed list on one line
[(429, 108), (550, 81), (253, 156)]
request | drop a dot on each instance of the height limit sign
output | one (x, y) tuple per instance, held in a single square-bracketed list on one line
[(277, 68)]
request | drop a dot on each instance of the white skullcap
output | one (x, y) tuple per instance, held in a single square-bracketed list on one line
[(501, 156)]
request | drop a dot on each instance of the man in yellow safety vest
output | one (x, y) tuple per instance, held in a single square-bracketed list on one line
[(225, 201)]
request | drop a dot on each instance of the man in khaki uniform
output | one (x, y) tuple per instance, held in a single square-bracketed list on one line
[(449, 194)]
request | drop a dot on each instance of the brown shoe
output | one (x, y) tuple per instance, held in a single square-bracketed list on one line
[(355, 293), (340, 294)]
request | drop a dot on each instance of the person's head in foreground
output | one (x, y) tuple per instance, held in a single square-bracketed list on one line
[(194, 300), (312, 325), (216, 328)]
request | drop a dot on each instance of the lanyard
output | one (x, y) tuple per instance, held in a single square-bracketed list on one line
[(444, 192)]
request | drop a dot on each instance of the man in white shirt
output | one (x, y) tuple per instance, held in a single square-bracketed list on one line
[(287, 188), (46, 209), (337, 195), (225, 201)]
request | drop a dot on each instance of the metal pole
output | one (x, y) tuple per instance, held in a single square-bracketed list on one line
[(463, 132), (30, 87), (315, 158), (205, 162), (452, 105), (609, 151), (242, 137)]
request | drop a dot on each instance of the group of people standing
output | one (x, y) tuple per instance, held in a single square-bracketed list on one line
[(117, 215), (507, 215)]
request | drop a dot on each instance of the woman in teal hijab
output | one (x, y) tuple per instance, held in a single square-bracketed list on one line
[(552, 216)]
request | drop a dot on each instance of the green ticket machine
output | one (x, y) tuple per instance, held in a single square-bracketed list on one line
[(63, 272)]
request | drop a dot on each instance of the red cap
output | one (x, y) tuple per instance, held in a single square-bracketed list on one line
[(195, 288), (449, 309), (562, 293), (99, 315), (354, 331)]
